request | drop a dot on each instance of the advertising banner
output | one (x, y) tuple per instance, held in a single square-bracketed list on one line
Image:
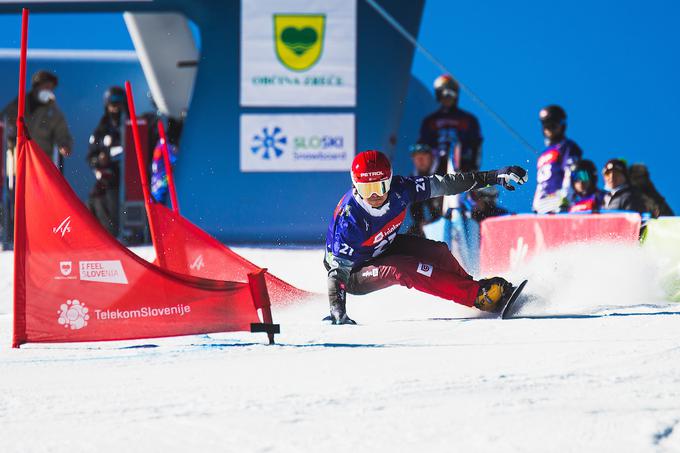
[(292, 143), (298, 53), (184, 248), (75, 282), (662, 238), (510, 241)]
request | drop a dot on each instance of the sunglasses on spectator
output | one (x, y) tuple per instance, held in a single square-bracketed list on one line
[(552, 125)]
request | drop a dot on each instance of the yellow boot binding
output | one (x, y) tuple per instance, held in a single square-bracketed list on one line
[(493, 292)]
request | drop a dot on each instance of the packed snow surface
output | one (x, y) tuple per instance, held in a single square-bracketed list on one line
[(591, 363)]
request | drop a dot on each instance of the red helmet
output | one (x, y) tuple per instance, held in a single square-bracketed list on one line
[(371, 173)]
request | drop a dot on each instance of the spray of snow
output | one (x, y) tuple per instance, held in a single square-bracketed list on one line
[(592, 278)]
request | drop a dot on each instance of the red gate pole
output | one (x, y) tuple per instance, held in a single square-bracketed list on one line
[(140, 165), (258, 289), (19, 335), (168, 168), (22, 77)]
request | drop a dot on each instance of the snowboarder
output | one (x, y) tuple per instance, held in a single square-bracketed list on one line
[(554, 166), (365, 253)]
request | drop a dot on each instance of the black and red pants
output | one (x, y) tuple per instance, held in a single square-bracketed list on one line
[(419, 263)]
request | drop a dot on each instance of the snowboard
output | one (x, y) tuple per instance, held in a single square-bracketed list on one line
[(517, 291)]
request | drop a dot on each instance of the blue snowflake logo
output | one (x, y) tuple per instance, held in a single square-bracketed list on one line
[(269, 143)]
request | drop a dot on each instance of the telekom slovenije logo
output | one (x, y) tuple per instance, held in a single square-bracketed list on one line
[(63, 228), (198, 263), (73, 314)]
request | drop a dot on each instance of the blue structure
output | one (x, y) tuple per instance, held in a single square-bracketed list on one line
[(269, 207)]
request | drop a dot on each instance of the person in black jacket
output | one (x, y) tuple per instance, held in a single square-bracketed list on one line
[(654, 202), (105, 143), (620, 195)]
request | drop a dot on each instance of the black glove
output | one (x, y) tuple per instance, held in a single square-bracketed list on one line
[(337, 306), (343, 320), (513, 173)]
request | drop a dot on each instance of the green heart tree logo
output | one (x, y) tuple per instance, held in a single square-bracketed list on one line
[(299, 40)]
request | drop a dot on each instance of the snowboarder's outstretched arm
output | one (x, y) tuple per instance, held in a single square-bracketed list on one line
[(455, 183)]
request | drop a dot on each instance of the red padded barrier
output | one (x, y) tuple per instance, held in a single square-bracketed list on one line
[(510, 241)]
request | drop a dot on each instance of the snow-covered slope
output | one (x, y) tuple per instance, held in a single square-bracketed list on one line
[(593, 366)]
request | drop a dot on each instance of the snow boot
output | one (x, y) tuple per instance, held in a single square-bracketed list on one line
[(493, 294)]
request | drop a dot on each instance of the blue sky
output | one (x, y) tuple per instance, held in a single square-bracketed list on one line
[(612, 65)]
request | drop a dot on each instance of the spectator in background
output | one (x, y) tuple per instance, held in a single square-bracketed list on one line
[(452, 133), (159, 176), (620, 195), (653, 202), (553, 180), (105, 145), (173, 130), (484, 204), (427, 211), (45, 122), (585, 194)]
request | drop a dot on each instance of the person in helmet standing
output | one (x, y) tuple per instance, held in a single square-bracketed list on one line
[(105, 145), (452, 133), (45, 122), (585, 196), (365, 253), (553, 180)]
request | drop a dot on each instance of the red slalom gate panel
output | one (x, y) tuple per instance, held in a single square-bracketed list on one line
[(184, 248), (508, 242), (75, 282), (133, 186)]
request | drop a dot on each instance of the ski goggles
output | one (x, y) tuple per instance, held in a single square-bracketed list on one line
[(580, 175), (366, 189), (116, 99)]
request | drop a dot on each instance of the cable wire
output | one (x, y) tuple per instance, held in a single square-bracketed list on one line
[(409, 37)]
